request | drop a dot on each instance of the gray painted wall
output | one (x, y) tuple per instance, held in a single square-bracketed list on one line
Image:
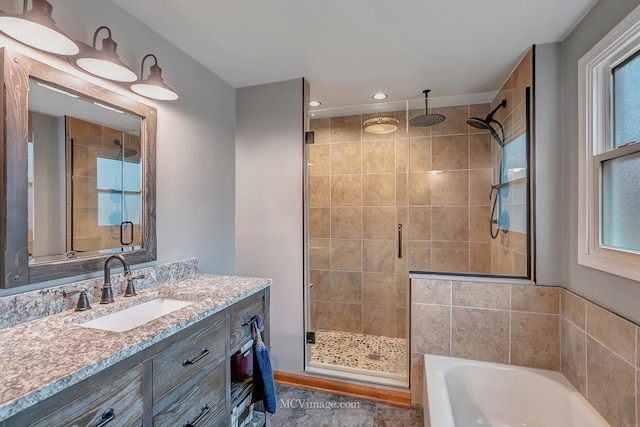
[(195, 141), (613, 292), (269, 229), (551, 256)]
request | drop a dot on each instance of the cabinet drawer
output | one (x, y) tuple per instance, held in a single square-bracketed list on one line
[(201, 405), (240, 327), (185, 360), (122, 395)]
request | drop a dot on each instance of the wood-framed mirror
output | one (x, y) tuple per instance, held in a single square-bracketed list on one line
[(79, 174)]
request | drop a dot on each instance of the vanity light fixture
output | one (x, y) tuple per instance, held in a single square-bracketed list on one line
[(36, 28), (153, 86), (315, 103), (379, 96), (381, 125), (105, 62)]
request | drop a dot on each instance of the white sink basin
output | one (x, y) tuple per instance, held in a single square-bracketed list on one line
[(139, 314)]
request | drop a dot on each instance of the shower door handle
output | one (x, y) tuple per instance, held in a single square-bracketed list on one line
[(399, 240)]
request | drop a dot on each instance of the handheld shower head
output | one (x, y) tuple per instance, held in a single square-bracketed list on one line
[(485, 124)]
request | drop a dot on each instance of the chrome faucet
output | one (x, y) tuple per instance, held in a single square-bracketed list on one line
[(107, 292)]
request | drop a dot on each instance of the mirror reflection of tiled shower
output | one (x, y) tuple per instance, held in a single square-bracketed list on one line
[(434, 182)]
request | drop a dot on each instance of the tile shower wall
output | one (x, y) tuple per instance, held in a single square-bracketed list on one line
[(356, 199), (495, 322)]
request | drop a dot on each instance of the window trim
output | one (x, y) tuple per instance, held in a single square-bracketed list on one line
[(594, 133)]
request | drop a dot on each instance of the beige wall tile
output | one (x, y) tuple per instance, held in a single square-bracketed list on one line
[(379, 289), (523, 74), (479, 187), (319, 254), (401, 155), (419, 223), (479, 223), (519, 264), (346, 128), (345, 158), (420, 188), (379, 256), (402, 290), (419, 255), (430, 329), (450, 152), (537, 299), (452, 223), (402, 196), (450, 188), (379, 222), (417, 378), (573, 351), (346, 190), (573, 308), (379, 189), (480, 334), (450, 256), (456, 121), (346, 222), (420, 154), (482, 295), (87, 244), (610, 385), (321, 130), (319, 191), (479, 150), (618, 334), (431, 291), (535, 340), (319, 159), (85, 223), (319, 223), (338, 316), (337, 286), (401, 323), (379, 156), (346, 255), (379, 320), (638, 352), (518, 242), (84, 160), (480, 257)]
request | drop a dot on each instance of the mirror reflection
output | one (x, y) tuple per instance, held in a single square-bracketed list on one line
[(84, 176)]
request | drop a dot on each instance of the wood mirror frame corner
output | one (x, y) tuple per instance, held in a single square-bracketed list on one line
[(14, 264)]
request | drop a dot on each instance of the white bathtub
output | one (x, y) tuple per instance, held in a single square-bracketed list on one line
[(467, 393)]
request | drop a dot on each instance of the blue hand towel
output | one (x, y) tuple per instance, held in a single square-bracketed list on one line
[(263, 385)]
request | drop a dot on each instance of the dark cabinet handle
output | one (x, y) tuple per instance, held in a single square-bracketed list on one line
[(202, 354), (399, 240), (107, 417), (196, 420)]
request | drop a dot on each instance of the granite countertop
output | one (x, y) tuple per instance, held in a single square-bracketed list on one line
[(45, 356)]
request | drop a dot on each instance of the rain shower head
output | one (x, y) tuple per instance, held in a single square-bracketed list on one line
[(426, 119), (128, 152), (485, 124)]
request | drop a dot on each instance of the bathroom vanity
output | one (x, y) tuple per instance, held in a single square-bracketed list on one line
[(173, 370)]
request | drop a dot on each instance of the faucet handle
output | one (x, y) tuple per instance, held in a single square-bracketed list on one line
[(131, 290), (83, 300)]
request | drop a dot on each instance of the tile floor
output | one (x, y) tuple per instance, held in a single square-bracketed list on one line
[(373, 353), (310, 408)]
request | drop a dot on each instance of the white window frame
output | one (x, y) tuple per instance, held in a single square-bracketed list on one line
[(594, 140)]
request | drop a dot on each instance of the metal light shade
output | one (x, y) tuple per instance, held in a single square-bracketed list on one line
[(153, 86), (381, 125), (36, 28), (104, 63)]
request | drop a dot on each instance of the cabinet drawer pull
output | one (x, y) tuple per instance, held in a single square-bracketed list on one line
[(202, 354), (107, 417), (196, 420)]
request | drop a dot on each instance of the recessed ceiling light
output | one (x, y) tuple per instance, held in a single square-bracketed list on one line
[(379, 96), (315, 103)]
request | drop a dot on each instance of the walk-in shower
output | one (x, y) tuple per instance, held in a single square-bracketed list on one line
[(379, 206)]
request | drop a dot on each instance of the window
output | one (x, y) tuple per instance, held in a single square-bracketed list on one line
[(609, 149)]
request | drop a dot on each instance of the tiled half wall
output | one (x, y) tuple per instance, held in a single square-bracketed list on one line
[(533, 326)]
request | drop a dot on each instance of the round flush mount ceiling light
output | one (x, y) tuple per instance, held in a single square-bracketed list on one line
[(105, 62), (379, 96), (153, 86), (36, 28), (381, 125), (315, 103)]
